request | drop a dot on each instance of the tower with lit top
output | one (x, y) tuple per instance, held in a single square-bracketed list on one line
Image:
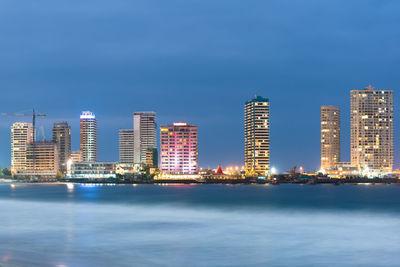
[(256, 135)]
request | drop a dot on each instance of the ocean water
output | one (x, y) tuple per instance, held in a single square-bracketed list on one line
[(200, 225)]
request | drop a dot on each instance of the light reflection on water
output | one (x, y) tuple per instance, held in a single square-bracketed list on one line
[(76, 233)]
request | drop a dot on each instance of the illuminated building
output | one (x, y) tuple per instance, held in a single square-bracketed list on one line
[(256, 132), (41, 159), (92, 170), (62, 136), (330, 136), (179, 148), (21, 135), (152, 158), (144, 127), (126, 146), (372, 130), (88, 124), (76, 156)]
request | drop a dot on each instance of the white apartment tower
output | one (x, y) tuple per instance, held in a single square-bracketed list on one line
[(256, 133), (372, 130), (144, 131), (330, 136), (88, 125), (21, 136), (126, 144)]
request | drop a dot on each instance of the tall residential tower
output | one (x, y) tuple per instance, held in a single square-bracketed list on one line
[(144, 128), (62, 137), (88, 124), (372, 130), (256, 134), (179, 153), (126, 146), (21, 135), (330, 136)]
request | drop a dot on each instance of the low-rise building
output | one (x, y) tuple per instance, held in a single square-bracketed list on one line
[(41, 160), (76, 156), (91, 170)]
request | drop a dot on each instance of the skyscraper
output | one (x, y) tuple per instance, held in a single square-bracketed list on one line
[(144, 127), (330, 136), (21, 135), (256, 134), (126, 146), (372, 130), (179, 153), (62, 137), (88, 124)]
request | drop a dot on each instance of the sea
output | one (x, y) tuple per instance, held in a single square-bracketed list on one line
[(199, 225)]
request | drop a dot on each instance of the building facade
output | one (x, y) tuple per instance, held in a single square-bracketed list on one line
[(330, 137), (144, 126), (22, 134), (372, 130), (91, 170), (62, 136), (88, 126), (152, 158), (257, 139), (126, 145), (179, 154), (76, 156), (42, 159)]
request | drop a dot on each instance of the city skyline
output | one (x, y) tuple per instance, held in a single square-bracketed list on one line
[(242, 163)]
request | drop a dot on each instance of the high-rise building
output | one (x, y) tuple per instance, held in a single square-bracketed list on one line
[(62, 137), (179, 148), (256, 134), (330, 137), (372, 130), (144, 127), (21, 135), (88, 124), (42, 159), (126, 145)]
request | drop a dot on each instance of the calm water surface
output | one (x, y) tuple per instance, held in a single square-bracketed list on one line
[(200, 225)]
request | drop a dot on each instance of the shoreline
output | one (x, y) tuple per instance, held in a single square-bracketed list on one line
[(214, 181)]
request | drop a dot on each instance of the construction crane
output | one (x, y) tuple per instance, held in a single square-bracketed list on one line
[(33, 115)]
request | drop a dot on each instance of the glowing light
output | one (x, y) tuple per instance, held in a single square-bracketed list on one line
[(273, 170), (87, 115), (70, 186)]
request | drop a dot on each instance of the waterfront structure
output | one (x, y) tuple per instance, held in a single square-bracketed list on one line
[(342, 168), (92, 170), (76, 156), (21, 134), (126, 144), (144, 126), (256, 134), (42, 159), (372, 130), (179, 145), (88, 125), (330, 136), (62, 136)]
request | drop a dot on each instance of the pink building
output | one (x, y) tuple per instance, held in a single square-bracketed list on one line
[(179, 148)]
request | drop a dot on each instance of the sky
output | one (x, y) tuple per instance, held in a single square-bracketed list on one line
[(197, 61)]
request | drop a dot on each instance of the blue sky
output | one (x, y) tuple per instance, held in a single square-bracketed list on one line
[(197, 61)]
